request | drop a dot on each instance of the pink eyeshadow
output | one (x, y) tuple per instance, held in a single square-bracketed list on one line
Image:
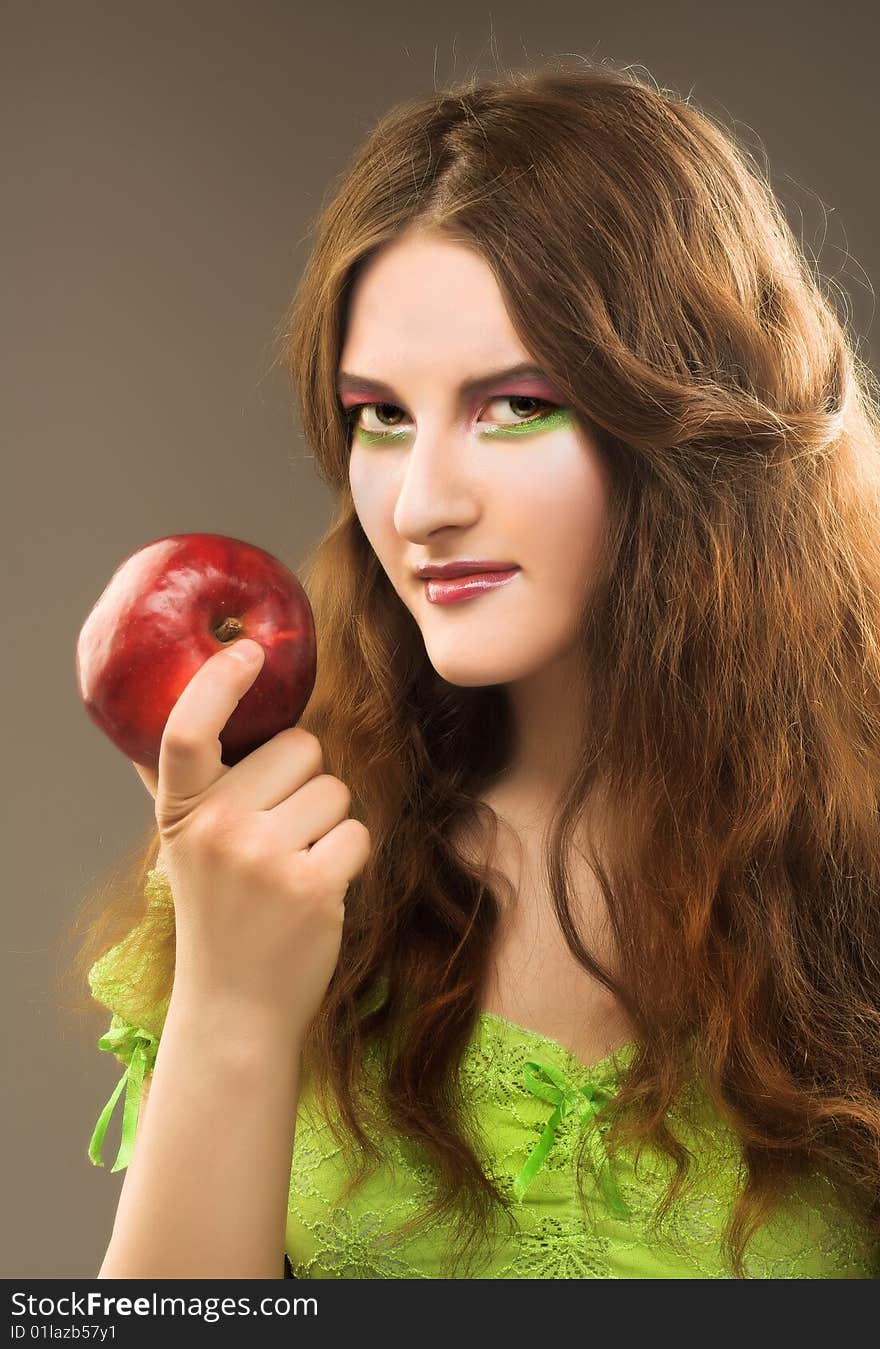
[(518, 388), (349, 399)]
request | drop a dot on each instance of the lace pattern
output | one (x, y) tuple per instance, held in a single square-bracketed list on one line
[(554, 1237), (531, 1102)]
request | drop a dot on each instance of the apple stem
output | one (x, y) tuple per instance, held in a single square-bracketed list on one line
[(229, 629)]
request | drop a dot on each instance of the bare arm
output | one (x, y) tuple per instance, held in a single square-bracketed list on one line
[(259, 858), (205, 1194)]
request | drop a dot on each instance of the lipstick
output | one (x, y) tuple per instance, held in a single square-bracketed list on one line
[(466, 587)]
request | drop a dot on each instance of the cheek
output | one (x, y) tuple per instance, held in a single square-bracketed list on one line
[(363, 489), (563, 510), (368, 494)]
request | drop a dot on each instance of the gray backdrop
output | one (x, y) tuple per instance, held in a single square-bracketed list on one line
[(160, 165)]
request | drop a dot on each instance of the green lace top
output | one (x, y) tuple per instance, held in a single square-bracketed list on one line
[(532, 1100)]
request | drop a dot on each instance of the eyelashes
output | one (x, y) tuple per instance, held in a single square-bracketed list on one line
[(553, 415)]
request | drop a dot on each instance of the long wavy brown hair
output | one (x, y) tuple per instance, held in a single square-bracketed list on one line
[(729, 644)]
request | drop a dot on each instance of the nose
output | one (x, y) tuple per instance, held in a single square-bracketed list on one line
[(438, 486)]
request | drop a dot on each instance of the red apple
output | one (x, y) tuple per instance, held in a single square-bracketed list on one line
[(170, 606)]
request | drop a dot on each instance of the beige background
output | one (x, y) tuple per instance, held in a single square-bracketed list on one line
[(161, 164)]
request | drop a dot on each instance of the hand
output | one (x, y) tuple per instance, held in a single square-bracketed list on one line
[(259, 856)]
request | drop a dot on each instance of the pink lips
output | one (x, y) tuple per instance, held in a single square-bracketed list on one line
[(465, 587)]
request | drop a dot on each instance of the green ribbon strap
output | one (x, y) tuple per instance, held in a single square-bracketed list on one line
[(141, 1046), (551, 1085)]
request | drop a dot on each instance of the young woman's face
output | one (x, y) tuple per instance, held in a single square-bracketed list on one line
[(498, 473)]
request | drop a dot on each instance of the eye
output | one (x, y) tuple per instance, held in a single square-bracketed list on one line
[(536, 409), (352, 416), (529, 414)]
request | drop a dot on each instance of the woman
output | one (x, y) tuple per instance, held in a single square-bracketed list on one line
[(605, 1000)]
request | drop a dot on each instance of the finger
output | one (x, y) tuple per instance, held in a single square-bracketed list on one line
[(344, 852), (149, 777), (272, 772), (310, 813), (189, 755)]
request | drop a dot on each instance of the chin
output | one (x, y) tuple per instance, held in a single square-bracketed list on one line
[(469, 676), (469, 681), (475, 673)]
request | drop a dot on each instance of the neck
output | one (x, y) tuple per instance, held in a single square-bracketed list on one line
[(547, 709)]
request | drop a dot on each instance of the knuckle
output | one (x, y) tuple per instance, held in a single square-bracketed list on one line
[(337, 788), (366, 842), (308, 745), (311, 873), (212, 829), (178, 743), (251, 854), (356, 827)]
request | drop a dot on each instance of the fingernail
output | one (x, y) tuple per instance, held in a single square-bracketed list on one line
[(247, 651)]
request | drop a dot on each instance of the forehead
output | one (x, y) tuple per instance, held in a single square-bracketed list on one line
[(419, 296)]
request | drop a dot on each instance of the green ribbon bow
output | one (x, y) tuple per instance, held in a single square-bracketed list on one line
[(551, 1084), (142, 1047)]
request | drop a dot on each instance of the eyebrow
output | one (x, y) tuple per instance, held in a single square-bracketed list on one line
[(347, 383)]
